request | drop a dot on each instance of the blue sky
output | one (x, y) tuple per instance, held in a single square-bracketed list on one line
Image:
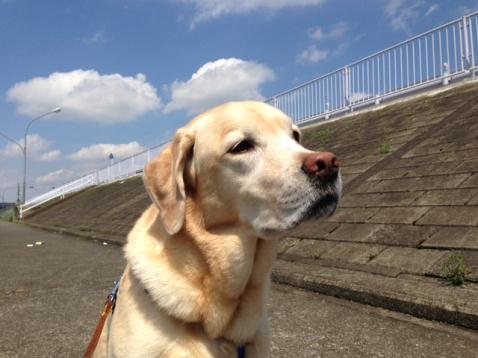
[(128, 73)]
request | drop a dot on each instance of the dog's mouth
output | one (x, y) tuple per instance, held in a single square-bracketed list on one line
[(322, 208), (325, 204)]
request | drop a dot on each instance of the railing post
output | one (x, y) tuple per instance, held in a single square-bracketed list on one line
[(327, 110), (446, 74), (346, 94), (466, 28)]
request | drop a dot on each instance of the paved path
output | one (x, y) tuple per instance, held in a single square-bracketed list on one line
[(51, 295)]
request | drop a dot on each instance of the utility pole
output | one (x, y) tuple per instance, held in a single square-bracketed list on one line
[(18, 194)]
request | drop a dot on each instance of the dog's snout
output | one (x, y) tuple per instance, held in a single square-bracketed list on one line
[(323, 164)]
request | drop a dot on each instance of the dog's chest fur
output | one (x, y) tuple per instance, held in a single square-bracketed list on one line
[(219, 280)]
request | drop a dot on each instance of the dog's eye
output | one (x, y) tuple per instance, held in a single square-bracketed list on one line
[(296, 136), (242, 147)]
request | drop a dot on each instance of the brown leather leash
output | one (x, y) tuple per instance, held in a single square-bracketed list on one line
[(107, 309)]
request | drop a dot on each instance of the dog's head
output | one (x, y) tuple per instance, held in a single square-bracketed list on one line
[(242, 163)]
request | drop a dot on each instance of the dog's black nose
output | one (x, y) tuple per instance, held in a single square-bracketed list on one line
[(324, 165)]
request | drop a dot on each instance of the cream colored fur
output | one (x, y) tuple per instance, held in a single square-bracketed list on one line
[(199, 259)]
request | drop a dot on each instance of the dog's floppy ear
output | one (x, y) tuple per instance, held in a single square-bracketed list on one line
[(164, 181)]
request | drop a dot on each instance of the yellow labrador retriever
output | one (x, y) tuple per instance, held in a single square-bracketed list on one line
[(196, 284)]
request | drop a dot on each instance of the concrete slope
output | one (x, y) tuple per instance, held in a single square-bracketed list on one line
[(106, 212), (409, 211)]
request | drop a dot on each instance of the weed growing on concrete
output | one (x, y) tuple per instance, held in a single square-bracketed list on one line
[(324, 135), (410, 113), (455, 270), (385, 148)]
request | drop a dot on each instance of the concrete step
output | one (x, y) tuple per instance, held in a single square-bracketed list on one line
[(420, 296)]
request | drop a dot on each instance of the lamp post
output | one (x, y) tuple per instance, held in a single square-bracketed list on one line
[(23, 148), (54, 110)]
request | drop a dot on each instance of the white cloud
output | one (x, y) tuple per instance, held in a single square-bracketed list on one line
[(86, 96), (97, 38), (432, 9), (50, 156), (211, 9), (402, 14), (36, 148), (100, 152), (337, 31), (8, 179), (312, 54), (218, 82), (54, 178)]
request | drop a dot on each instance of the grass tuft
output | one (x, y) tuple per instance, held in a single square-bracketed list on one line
[(455, 271), (385, 148)]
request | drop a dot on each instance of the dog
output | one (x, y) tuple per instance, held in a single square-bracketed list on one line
[(232, 182)]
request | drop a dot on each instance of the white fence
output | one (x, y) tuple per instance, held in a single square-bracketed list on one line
[(448, 52), (122, 169)]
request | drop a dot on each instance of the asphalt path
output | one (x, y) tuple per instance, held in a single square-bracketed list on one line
[(51, 296)]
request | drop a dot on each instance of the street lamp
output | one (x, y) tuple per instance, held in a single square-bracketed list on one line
[(24, 148), (54, 110)]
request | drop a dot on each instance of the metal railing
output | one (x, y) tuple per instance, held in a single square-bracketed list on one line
[(122, 169), (448, 52)]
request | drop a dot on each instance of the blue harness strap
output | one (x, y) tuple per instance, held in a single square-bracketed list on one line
[(114, 294), (241, 352)]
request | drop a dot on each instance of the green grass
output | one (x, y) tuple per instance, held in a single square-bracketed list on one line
[(7, 215), (455, 271), (324, 135), (385, 148)]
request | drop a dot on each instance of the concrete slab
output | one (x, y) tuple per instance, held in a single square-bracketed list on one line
[(470, 262), (446, 197), (399, 215), (315, 229), (379, 199), (396, 235), (419, 183), (451, 215), (390, 174), (326, 327), (470, 166), (453, 238), (352, 252), (354, 169), (419, 296), (309, 248), (471, 182), (473, 201), (352, 215), (408, 260), (355, 232)]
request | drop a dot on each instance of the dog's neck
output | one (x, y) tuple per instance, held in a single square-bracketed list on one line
[(215, 276)]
